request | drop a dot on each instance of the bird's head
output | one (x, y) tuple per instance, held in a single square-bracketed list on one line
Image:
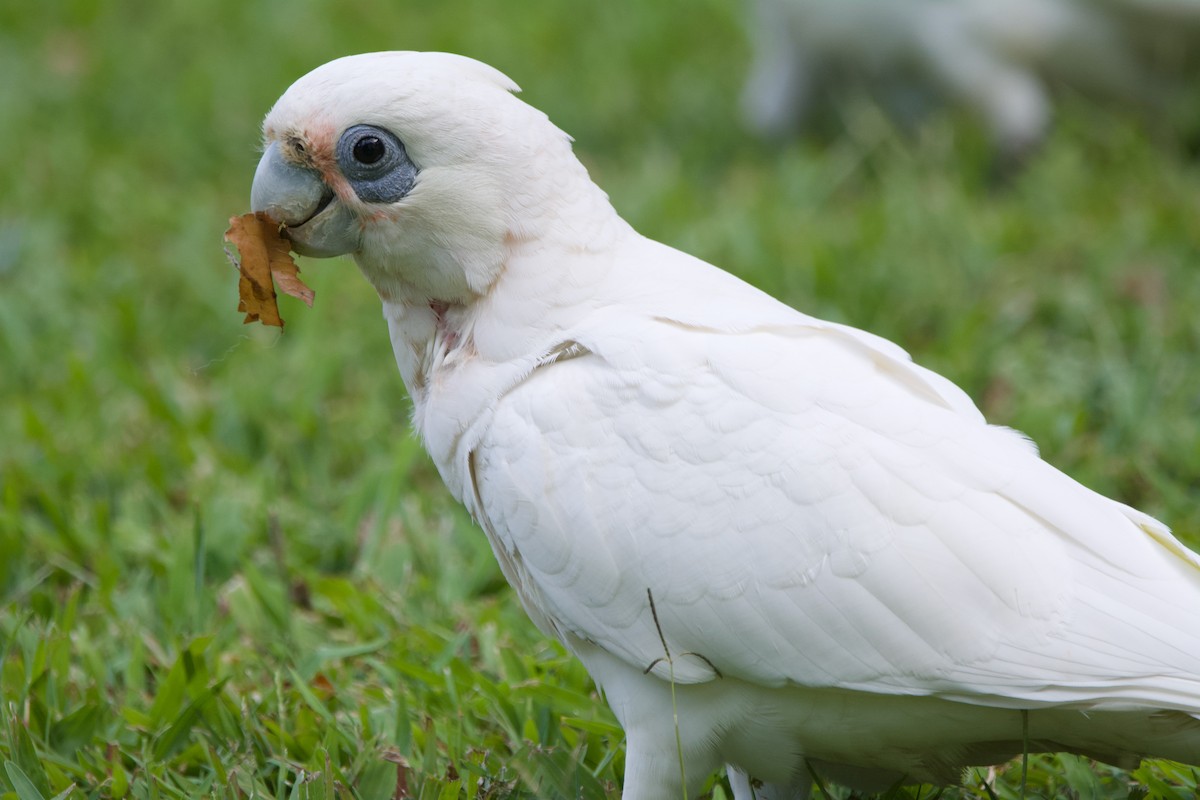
[(423, 166)]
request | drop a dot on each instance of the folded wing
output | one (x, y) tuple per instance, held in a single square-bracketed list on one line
[(805, 506)]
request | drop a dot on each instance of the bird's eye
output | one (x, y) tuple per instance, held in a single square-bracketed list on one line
[(369, 149), (374, 161)]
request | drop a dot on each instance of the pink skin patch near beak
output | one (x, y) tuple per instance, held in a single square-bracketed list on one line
[(322, 153)]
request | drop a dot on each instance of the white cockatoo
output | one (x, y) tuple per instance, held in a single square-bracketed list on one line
[(995, 59), (775, 542)]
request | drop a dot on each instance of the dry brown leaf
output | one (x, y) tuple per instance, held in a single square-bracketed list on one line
[(256, 293), (323, 686), (264, 254), (401, 792)]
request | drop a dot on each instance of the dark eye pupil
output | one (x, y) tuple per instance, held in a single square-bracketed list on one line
[(368, 149)]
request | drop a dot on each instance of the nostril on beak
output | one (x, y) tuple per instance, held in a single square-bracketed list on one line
[(288, 193)]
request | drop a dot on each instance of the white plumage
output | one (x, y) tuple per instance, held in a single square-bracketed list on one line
[(998, 60), (852, 572)]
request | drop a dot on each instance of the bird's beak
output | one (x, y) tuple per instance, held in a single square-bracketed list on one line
[(318, 224)]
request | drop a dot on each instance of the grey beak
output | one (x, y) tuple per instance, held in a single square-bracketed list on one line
[(316, 222)]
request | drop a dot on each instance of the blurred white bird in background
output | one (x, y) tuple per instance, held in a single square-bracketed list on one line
[(775, 542), (997, 59)]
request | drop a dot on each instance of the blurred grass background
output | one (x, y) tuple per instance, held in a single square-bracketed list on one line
[(227, 570)]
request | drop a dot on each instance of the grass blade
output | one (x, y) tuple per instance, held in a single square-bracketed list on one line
[(21, 783)]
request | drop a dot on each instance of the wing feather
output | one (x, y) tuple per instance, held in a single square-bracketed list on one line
[(809, 509)]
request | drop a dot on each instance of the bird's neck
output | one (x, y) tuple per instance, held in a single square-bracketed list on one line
[(508, 274), (541, 286)]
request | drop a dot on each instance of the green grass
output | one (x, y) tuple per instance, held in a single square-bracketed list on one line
[(226, 568)]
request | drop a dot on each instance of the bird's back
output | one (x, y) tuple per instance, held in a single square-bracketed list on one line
[(824, 525)]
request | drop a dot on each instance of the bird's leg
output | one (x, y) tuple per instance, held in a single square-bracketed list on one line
[(1024, 750), (746, 789), (652, 772), (777, 92), (1010, 99)]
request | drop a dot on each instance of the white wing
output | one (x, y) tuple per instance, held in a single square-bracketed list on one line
[(806, 506)]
